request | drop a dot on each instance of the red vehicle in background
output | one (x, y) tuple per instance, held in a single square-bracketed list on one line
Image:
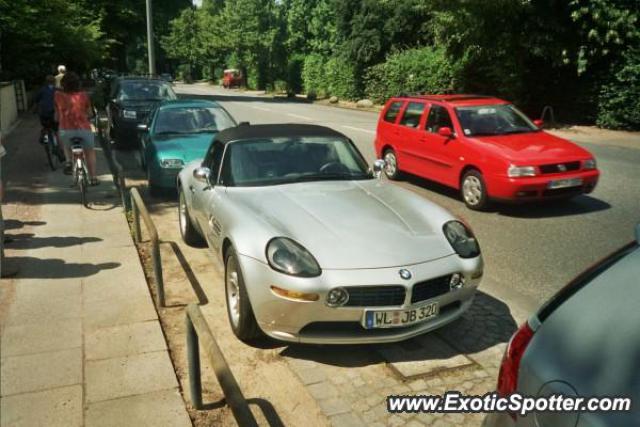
[(232, 78), (483, 146)]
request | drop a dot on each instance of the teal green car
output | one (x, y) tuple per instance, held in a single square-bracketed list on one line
[(176, 133)]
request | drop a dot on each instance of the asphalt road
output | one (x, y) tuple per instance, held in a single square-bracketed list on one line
[(530, 251)]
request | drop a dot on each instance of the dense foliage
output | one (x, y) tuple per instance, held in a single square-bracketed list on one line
[(36, 36), (417, 70), (580, 56), (619, 103)]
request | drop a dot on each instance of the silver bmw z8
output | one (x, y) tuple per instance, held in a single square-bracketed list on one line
[(315, 248)]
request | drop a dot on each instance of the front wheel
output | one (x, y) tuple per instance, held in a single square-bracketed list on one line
[(188, 232), (241, 317), (474, 190), (82, 185)]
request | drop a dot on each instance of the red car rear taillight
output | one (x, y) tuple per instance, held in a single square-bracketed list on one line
[(508, 377)]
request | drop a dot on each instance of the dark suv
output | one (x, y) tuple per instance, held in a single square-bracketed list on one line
[(130, 101)]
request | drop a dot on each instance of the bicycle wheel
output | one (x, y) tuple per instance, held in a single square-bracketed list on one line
[(82, 185), (48, 149)]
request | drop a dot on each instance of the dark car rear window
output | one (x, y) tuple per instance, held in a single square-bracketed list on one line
[(392, 113)]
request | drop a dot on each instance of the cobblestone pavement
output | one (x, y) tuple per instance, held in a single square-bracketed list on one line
[(351, 385)]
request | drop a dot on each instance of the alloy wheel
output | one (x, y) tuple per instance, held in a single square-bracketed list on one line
[(472, 190), (233, 294), (391, 166)]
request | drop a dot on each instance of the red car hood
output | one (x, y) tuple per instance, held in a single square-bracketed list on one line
[(533, 147)]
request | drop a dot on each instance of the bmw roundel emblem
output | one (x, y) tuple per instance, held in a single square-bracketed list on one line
[(405, 274)]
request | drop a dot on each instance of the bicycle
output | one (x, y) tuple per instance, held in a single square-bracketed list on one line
[(51, 146), (80, 172)]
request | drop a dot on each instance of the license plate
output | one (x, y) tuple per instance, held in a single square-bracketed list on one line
[(399, 318), (565, 183)]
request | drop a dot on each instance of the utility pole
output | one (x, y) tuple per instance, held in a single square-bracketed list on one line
[(150, 47)]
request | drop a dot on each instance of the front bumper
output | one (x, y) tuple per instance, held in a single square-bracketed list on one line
[(163, 177), (315, 322), (536, 188)]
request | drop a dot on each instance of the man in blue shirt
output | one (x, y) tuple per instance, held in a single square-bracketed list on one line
[(44, 101)]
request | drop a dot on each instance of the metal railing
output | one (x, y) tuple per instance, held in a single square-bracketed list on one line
[(138, 209), (198, 332), (548, 109), (116, 168)]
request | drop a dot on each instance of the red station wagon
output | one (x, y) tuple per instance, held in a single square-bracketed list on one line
[(483, 146)]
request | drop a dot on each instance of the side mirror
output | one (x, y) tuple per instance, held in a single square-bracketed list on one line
[(202, 174), (638, 233), (446, 132), (142, 127), (378, 167), (539, 123), (244, 124)]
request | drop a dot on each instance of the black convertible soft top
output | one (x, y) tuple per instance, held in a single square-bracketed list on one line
[(246, 131)]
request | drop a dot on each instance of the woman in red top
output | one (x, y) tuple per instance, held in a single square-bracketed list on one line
[(73, 108)]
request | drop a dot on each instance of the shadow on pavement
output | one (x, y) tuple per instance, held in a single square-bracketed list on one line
[(61, 194), (268, 411), (15, 224), (578, 205), (30, 242), (487, 323), (248, 98), (193, 280), (53, 268)]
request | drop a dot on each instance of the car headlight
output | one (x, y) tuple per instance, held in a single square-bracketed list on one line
[(172, 163), (129, 114), (589, 164), (288, 257), (461, 239), (520, 171)]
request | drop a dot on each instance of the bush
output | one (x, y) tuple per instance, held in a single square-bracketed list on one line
[(325, 77), (424, 69), (340, 79), (313, 78), (619, 101)]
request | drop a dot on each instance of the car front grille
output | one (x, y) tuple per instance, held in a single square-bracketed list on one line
[(560, 167), (375, 296), (431, 288)]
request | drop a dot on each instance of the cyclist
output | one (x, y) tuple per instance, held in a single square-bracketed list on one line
[(46, 108), (74, 109), (61, 72)]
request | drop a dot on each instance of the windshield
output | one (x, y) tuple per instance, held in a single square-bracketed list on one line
[(142, 90), (259, 162), (493, 120), (192, 120)]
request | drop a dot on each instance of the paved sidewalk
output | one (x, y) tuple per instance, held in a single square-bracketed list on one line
[(80, 341)]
